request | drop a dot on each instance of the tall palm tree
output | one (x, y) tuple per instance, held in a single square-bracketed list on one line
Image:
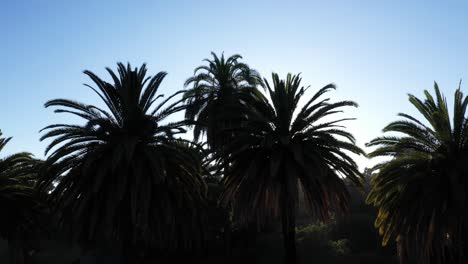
[(214, 98), (284, 148), (421, 192), (217, 95), (18, 200), (124, 174)]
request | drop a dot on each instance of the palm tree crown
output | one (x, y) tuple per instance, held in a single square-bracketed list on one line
[(17, 196), (22, 209), (421, 192), (214, 98), (124, 174)]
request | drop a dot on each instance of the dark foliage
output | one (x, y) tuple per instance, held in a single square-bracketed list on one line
[(421, 192), (124, 174), (281, 149)]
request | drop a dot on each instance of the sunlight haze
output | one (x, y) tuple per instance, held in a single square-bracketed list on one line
[(375, 51)]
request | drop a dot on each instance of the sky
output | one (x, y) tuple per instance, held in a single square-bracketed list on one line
[(376, 52)]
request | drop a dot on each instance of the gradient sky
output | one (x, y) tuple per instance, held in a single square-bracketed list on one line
[(375, 51)]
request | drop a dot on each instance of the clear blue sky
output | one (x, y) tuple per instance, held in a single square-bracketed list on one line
[(375, 51)]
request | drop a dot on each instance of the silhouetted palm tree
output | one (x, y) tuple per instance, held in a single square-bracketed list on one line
[(421, 192), (18, 200), (214, 99), (124, 174), (283, 148)]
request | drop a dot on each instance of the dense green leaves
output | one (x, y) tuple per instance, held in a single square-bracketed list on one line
[(125, 174), (421, 191)]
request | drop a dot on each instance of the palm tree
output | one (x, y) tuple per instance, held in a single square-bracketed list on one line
[(18, 200), (214, 98), (124, 174), (218, 94), (421, 192), (282, 149)]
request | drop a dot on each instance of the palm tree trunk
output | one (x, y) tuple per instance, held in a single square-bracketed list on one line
[(128, 252), (16, 250), (227, 238), (252, 235), (402, 250), (464, 254), (227, 224), (288, 219)]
